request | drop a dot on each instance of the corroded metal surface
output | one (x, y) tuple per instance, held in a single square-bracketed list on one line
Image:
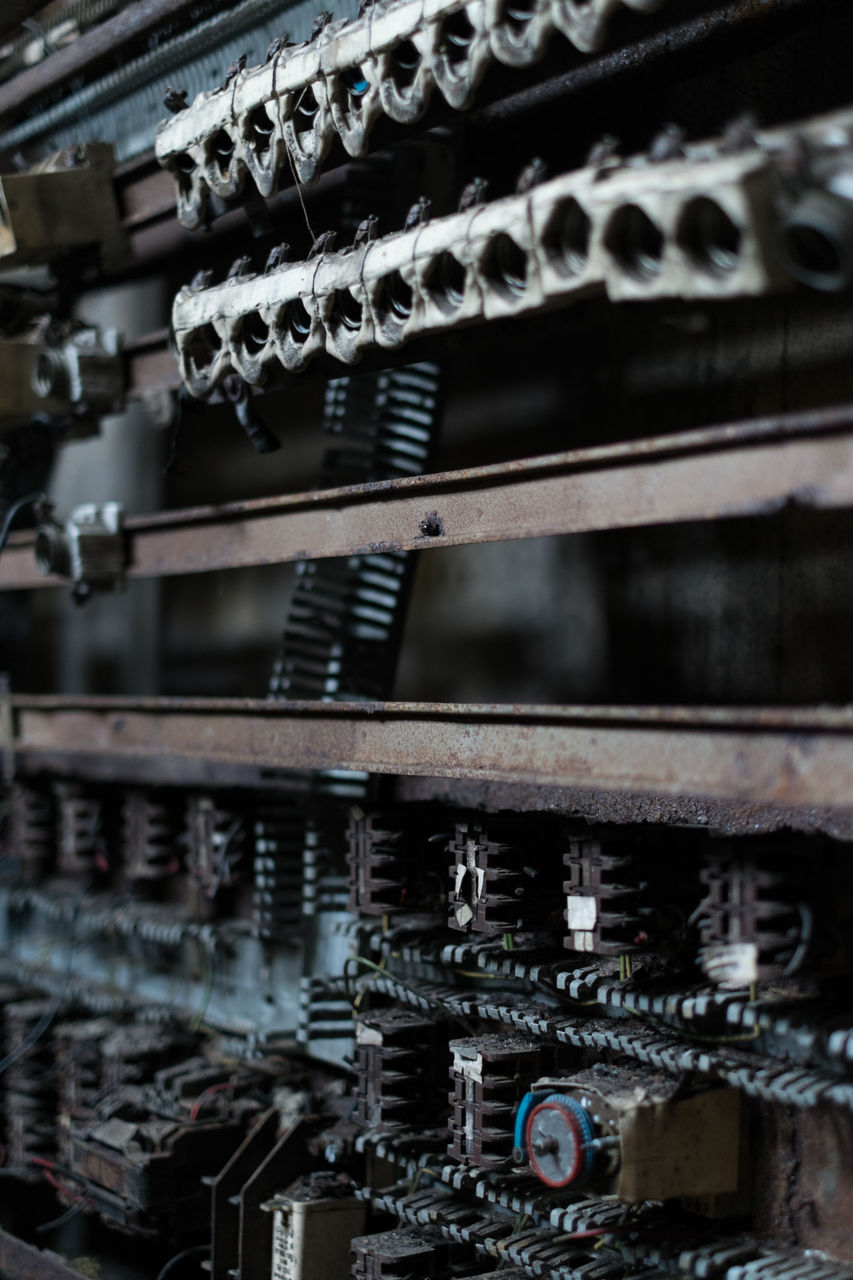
[(796, 756), (718, 472)]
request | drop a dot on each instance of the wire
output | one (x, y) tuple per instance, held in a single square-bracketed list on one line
[(179, 1257), (421, 995), (585, 1235), (44, 1022), (201, 1013), (14, 508), (208, 1093), (71, 1212)]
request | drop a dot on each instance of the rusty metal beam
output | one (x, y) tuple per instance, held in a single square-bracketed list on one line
[(717, 472), (786, 756)]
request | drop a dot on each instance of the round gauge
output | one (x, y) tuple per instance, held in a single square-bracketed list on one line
[(559, 1133)]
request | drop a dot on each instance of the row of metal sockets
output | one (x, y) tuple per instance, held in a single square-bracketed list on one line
[(705, 228), (494, 1235), (523, 1196), (281, 118), (726, 1013), (542, 1253), (755, 1075)]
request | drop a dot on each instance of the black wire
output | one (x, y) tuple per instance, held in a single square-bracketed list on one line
[(70, 1213), (16, 506), (179, 1257)]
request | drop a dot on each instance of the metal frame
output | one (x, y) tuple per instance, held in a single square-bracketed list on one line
[(747, 468)]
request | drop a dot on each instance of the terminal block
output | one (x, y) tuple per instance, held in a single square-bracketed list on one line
[(32, 828), (282, 117), (604, 899), (151, 826), (82, 818), (217, 843), (401, 1057), (490, 1075), (389, 859), (500, 881), (757, 920)]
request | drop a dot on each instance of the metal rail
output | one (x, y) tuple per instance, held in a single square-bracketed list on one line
[(103, 41), (746, 468), (795, 756)]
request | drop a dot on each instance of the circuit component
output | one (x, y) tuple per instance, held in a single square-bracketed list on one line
[(756, 923), (217, 843), (624, 1131), (652, 230), (145, 1153), (81, 829), (32, 828), (79, 1074), (422, 1254), (494, 888), (389, 859), (314, 1221), (30, 1094), (603, 900), (88, 549), (400, 1061), (490, 1075), (150, 827), (133, 1054)]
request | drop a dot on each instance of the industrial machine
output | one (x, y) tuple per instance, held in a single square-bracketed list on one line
[(426, 476)]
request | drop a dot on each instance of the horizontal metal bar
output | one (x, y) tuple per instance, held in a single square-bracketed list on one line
[(714, 473), (103, 41), (790, 756)]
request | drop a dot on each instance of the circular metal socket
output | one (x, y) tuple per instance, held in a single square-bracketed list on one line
[(817, 241), (52, 550), (50, 375)]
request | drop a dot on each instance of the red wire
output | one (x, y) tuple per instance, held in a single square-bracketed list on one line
[(214, 1088), (48, 1172)]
